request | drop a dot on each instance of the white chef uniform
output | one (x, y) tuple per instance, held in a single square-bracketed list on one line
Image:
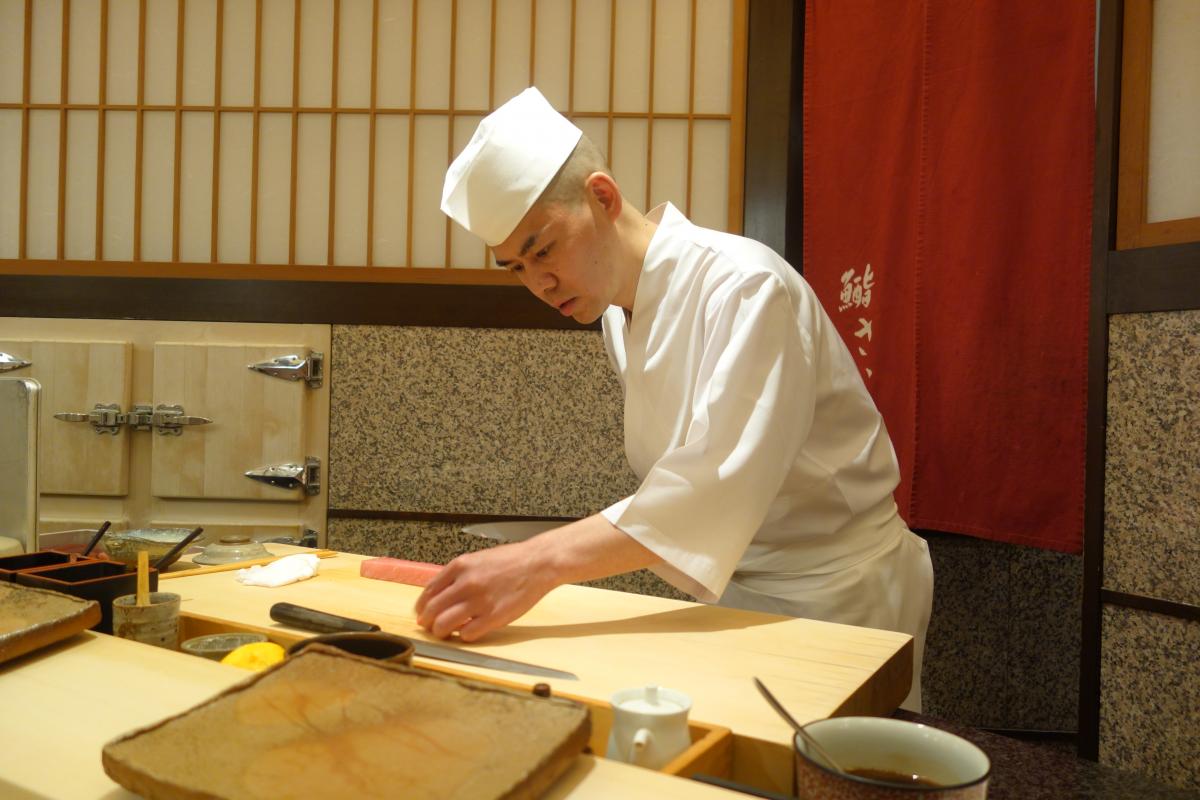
[(766, 470)]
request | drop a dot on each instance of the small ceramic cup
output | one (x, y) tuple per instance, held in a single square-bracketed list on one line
[(379, 645), (649, 726), (156, 623), (884, 750)]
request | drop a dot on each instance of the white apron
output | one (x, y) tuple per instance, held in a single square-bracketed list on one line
[(767, 473)]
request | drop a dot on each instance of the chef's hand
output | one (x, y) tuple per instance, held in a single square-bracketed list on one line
[(478, 592)]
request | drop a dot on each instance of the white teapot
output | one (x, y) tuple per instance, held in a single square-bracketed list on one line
[(649, 726)]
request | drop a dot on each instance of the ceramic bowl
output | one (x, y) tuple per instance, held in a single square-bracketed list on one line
[(125, 545), (879, 746), (230, 550), (218, 645)]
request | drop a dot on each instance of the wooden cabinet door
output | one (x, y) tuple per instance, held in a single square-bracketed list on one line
[(257, 420), (75, 376)]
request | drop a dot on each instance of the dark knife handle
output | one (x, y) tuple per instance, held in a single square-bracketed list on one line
[(312, 620)]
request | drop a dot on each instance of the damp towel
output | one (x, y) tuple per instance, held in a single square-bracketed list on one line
[(288, 569)]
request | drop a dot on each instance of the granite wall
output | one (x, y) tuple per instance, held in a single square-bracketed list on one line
[(1150, 663), (463, 421)]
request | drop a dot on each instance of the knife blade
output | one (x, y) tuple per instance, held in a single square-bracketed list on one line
[(321, 622)]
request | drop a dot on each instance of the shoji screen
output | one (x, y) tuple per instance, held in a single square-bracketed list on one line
[(1158, 198), (288, 137)]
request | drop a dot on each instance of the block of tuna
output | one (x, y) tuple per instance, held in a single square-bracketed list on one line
[(414, 573)]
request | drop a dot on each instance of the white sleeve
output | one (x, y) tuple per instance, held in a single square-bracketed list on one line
[(701, 504)]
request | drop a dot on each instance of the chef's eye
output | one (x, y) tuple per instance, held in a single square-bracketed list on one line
[(515, 267), (544, 251)]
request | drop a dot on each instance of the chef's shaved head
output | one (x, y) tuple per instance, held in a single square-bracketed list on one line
[(568, 186)]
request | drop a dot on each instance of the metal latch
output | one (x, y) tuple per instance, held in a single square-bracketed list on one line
[(9, 363), (105, 417), (165, 420), (291, 476), (310, 369)]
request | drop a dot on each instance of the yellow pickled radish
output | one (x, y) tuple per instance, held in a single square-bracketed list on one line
[(255, 656)]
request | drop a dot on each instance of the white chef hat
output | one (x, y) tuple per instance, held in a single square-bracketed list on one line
[(503, 170)]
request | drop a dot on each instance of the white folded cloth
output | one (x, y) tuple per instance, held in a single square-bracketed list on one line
[(288, 569)]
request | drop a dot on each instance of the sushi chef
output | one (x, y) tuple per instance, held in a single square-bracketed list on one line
[(766, 471)]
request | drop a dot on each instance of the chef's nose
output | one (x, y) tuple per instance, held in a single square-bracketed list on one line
[(544, 280)]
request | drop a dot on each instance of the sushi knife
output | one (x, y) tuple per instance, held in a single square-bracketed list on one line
[(321, 622)]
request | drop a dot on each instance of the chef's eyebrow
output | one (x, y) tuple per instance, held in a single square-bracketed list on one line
[(524, 249)]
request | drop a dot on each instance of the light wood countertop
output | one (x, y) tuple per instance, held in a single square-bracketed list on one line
[(60, 706)]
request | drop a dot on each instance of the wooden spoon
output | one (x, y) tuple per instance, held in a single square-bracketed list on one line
[(143, 578)]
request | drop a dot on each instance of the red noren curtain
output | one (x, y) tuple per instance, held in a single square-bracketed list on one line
[(947, 199)]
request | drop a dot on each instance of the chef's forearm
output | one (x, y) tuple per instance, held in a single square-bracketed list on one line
[(588, 549)]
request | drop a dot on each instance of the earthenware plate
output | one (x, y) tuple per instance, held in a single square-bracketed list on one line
[(33, 618)]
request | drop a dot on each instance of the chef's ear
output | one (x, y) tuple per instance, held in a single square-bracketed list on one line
[(604, 190)]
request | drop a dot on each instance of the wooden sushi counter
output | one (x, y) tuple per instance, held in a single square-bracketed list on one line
[(64, 702)]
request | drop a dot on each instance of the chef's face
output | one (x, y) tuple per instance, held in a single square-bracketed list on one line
[(563, 253)]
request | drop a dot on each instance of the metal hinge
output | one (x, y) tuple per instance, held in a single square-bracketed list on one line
[(310, 368), (9, 363), (107, 418), (305, 476)]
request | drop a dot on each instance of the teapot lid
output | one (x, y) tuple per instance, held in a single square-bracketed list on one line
[(652, 699)]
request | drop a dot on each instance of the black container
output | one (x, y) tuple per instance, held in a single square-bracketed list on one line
[(102, 581), (10, 565), (378, 645)]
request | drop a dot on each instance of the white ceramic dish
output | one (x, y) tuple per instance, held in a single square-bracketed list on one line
[(231, 551)]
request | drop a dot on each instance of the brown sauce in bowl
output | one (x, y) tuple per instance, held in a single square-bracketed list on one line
[(898, 778)]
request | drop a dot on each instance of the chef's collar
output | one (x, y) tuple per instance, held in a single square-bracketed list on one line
[(668, 219)]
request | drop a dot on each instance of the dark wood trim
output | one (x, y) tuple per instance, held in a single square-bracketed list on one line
[(1164, 278), (1108, 103), (213, 300), (434, 516), (1156, 604), (793, 248), (769, 112)]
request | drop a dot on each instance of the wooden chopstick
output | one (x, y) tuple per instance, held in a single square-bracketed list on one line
[(143, 578)]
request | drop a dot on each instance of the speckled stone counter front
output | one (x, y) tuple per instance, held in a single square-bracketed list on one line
[(474, 421), (1002, 649), (1150, 694), (438, 542), (1152, 474), (1025, 771)]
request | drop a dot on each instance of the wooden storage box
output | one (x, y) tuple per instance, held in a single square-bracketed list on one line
[(11, 565), (102, 581)]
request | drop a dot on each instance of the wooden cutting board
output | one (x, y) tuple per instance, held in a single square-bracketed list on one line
[(328, 724)]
